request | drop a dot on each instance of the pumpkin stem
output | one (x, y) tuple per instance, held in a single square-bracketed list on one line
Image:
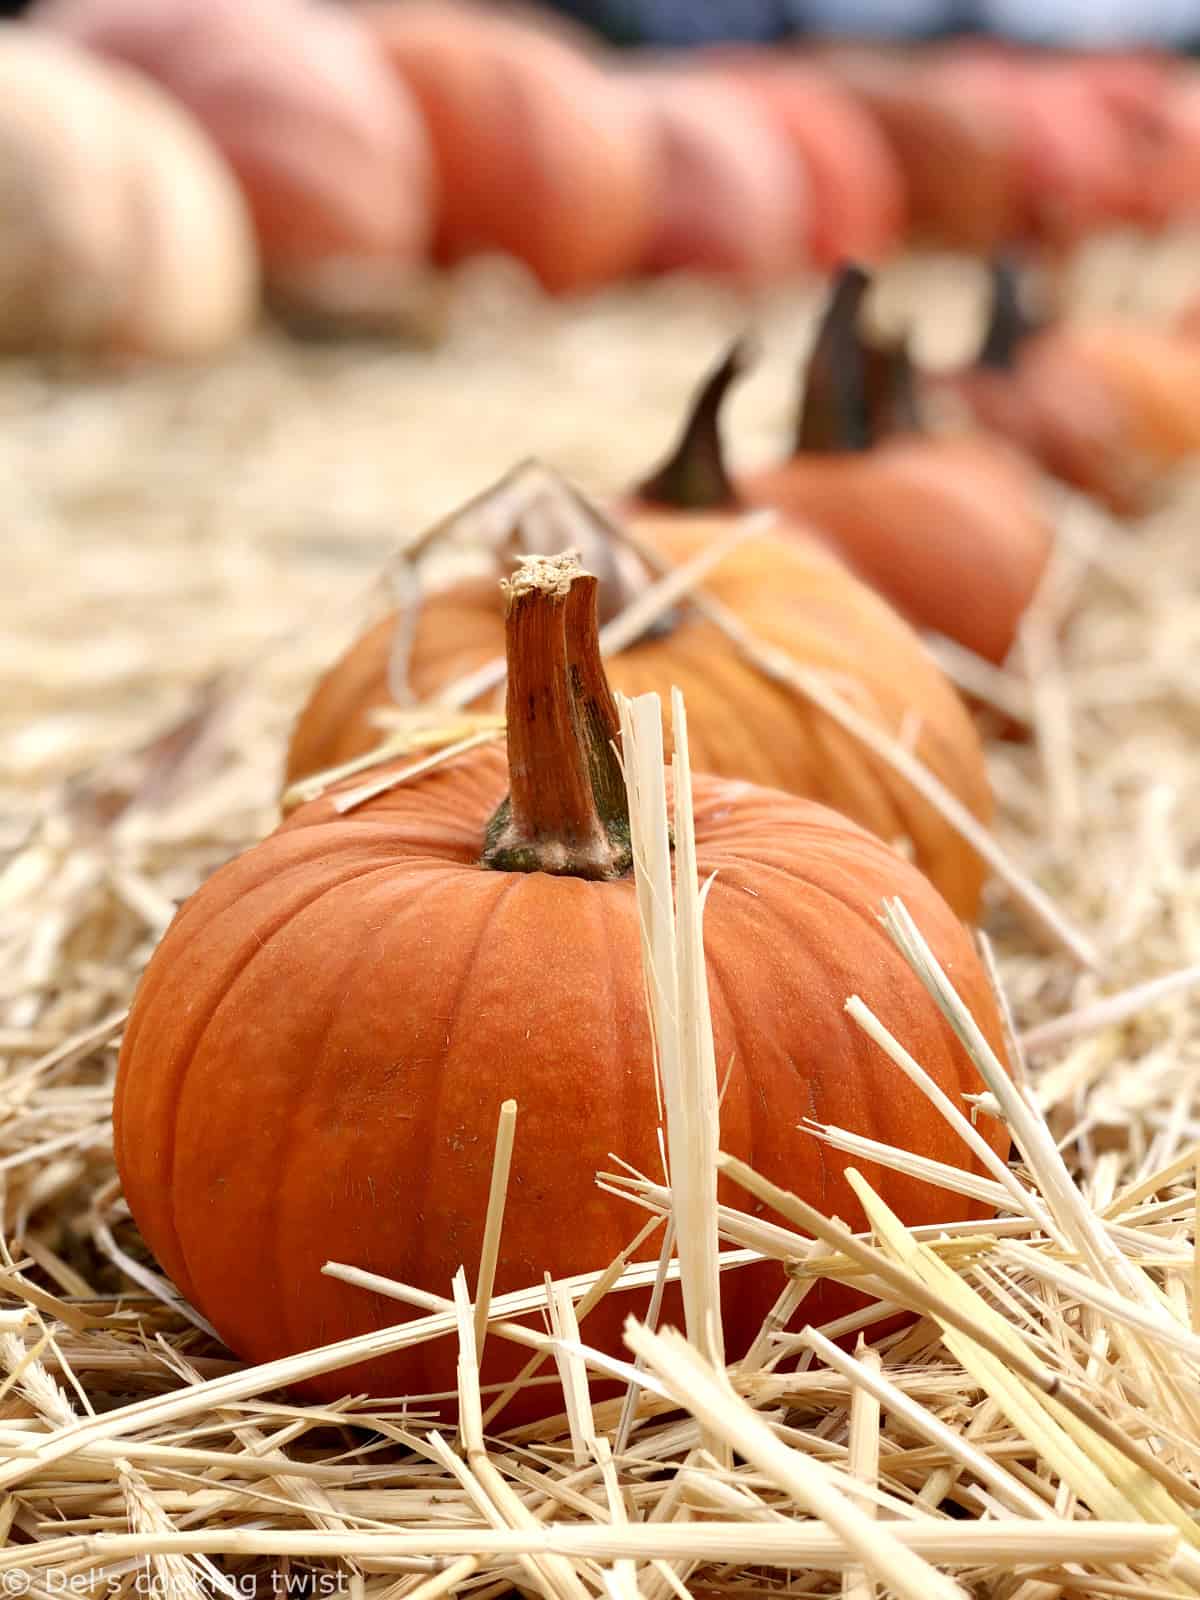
[(833, 411), (567, 810), (1010, 323), (694, 476), (890, 391)]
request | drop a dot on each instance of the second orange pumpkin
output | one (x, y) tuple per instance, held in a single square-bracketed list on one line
[(796, 597)]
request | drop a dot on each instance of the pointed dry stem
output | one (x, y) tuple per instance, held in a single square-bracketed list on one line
[(833, 411), (694, 476), (566, 811)]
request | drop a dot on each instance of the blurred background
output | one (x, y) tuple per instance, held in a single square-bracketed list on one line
[(690, 22), (284, 282)]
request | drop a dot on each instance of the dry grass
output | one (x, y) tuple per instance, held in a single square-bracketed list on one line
[(182, 552)]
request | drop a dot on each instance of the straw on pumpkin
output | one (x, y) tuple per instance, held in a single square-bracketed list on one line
[(1031, 901)]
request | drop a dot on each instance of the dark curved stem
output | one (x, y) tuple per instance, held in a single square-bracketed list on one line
[(1009, 323), (567, 811), (891, 398), (832, 415), (694, 476)]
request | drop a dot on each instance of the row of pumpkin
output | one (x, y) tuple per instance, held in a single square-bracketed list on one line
[(948, 522), (373, 137), (317, 1055)]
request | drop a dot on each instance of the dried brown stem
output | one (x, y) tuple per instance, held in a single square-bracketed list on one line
[(832, 413), (567, 811), (694, 476)]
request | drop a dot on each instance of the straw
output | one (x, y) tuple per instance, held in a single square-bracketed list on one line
[(184, 554)]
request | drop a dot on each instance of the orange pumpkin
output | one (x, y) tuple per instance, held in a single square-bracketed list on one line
[(949, 529), (317, 1053), (796, 597), (539, 154), (1105, 406)]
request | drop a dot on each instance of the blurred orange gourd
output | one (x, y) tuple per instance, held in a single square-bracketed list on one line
[(1106, 406), (1076, 160), (730, 196), (959, 160), (949, 529), (539, 154), (854, 183)]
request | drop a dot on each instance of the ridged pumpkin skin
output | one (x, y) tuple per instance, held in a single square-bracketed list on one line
[(318, 1051), (948, 529), (795, 596)]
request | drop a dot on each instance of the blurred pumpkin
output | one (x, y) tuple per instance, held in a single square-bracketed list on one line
[(1172, 170), (1152, 374), (730, 197), (123, 232), (1131, 83), (1076, 162), (539, 154), (793, 594), (1106, 406), (331, 153), (858, 205), (64, 245), (194, 279), (959, 159), (949, 529), (318, 1051), (1186, 322), (1137, 88)]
